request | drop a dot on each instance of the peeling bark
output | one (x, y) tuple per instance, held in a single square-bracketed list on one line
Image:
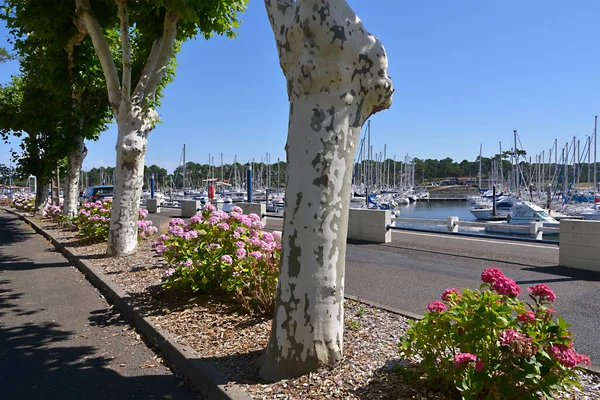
[(337, 78), (74, 162), (134, 124), (41, 199)]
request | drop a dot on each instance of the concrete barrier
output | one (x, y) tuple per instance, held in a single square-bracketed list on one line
[(259, 209), (189, 208), (579, 244), (369, 225), (152, 206)]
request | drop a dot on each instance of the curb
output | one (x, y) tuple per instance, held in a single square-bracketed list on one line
[(204, 376)]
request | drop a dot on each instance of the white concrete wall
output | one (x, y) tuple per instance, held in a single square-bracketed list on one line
[(152, 206), (189, 208), (580, 244), (369, 225), (259, 209)]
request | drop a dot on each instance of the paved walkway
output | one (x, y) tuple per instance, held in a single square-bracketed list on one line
[(59, 339)]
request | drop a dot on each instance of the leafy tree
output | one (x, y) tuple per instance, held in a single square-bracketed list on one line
[(36, 115), (57, 53), (148, 34)]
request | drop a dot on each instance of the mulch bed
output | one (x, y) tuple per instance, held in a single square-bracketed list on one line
[(231, 340)]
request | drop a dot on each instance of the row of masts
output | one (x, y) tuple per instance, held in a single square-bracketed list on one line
[(558, 171)]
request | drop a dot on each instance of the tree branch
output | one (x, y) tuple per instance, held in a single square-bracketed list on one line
[(73, 41), (88, 19), (138, 94), (125, 51), (164, 55), (280, 14)]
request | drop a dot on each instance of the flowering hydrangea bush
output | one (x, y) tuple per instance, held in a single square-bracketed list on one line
[(488, 344), (54, 213), (24, 202), (223, 253), (93, 222)]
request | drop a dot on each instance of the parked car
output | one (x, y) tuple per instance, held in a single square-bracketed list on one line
[(96, 193)]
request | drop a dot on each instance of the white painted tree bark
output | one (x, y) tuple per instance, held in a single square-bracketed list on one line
[(336, 79), (74, 162), (135, 116)]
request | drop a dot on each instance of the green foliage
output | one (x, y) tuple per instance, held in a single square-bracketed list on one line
[(4, 55), (223, 253), (488, 344)]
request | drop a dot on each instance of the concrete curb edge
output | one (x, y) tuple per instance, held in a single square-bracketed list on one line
[(203, 375)]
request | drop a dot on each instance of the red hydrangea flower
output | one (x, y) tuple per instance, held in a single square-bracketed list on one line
[(479, 366), (448, 293), (437, 306), (543, 292), (464, 358), (490, 275), (519, 343)]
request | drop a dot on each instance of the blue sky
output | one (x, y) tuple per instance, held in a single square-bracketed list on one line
[(466, 72)]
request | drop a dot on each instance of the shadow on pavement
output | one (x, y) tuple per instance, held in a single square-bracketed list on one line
[(11, 230), (568, 274)]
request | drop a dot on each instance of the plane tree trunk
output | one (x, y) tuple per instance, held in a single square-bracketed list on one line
[(337, 78)]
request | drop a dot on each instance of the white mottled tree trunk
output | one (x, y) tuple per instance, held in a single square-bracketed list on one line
[(135, 114), (74, 162), (337, 78), (133, 128)]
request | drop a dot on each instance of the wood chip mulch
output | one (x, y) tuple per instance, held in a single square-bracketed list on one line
[(232, 341)]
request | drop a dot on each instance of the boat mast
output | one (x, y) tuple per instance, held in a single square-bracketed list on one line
[(501, 168), (184, 168), (480, 148), (517, 183), (595, 149)]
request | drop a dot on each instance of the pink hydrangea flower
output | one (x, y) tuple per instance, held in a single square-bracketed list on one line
[(226, 259), (437, 306), (449, 293), (214, 220), (168, 272), (276, 236), (567, 356), (490, 275), (237, 209), (223, 225), (519, 343), (176, 230), (543, 292), (208, 207), (526, 317), (240, 244), (163, 237), (196, 218), (253, 217), (463, 358), (506, 286), (176, 221), (188, 263), (236, 235), (267, 237), (240, 253), (256, 254), (239, 230)]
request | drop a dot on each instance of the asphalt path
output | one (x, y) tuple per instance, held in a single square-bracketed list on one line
[(59, 339), (417, 267)]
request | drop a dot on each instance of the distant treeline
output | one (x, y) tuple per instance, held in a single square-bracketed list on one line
[(425, 171)]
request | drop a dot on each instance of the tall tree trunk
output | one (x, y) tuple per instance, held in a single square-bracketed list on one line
[(41, 198), (74, 162), (337, 78), (134, 126)]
